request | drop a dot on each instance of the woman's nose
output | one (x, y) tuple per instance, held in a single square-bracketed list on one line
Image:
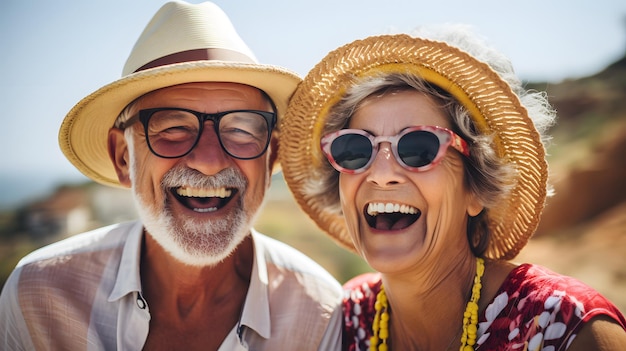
[(385, 169)]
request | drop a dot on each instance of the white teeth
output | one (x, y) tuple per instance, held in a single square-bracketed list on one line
[(389, 207), (205, 210), (380, 207), (198, 192), (375, 208)]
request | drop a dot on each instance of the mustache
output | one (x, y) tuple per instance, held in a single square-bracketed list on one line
[(183, 176)]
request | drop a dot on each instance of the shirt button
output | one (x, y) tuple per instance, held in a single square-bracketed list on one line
[(141, 303)]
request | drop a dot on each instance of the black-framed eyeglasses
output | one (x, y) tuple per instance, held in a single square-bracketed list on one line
[(173, 132)]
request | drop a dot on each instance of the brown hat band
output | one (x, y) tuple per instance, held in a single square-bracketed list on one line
[(197, 55)]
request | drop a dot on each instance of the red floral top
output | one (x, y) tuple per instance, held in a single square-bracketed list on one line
[(534, 309)]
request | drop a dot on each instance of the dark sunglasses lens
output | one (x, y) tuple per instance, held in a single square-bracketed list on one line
[(418, 148), (351, 151)]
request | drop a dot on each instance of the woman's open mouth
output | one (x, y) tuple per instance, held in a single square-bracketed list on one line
[(204, 200), (390, 216)]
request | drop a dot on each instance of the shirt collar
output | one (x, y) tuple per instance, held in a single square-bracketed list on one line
[(128, 279), (256, 311)]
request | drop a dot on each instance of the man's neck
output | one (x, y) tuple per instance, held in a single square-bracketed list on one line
[(185, 300)]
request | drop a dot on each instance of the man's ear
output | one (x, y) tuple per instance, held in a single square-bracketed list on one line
[(118, 153)]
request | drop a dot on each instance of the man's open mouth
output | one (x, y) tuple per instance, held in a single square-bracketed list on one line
[(390, 216), (204, 199)]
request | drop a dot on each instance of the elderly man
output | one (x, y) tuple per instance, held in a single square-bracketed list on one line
[(189, 129)]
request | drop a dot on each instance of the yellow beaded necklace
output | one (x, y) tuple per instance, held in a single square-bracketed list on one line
[(380, 327)]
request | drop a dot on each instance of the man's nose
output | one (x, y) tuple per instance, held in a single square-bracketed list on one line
[(208, 156)]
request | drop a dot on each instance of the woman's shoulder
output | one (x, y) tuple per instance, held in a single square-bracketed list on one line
[(363, 282), (536, 282), (361, 291), (358, 309), (532, 287), (537, 305)]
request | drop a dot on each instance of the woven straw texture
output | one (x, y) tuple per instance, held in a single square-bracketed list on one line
[(490, 101)]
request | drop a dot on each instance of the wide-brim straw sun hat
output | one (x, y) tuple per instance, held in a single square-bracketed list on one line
[(495, 109), (182, 43)]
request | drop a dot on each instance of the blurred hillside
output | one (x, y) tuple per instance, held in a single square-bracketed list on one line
[(582, 232), (583, 229)]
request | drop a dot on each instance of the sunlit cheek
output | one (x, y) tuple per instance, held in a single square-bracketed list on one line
[(258, 174), (448, 209), (253, 200), (447, 213), (461, 197), (347, 197), (146, 179)]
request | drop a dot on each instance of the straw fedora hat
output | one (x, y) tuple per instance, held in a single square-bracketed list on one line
[(493, 106), (182, 43)]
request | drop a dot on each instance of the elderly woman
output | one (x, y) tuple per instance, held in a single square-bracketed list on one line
[(426, 158)]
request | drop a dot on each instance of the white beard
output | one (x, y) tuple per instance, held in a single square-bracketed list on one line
[(194, 242)]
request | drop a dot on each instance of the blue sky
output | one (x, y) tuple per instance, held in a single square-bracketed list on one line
[(54, 53)]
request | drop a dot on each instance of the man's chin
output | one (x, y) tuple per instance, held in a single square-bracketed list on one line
[(197, 259), (191, 241), (197, 244)]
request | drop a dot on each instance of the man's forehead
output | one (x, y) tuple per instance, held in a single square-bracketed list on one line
[(197, 91)]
